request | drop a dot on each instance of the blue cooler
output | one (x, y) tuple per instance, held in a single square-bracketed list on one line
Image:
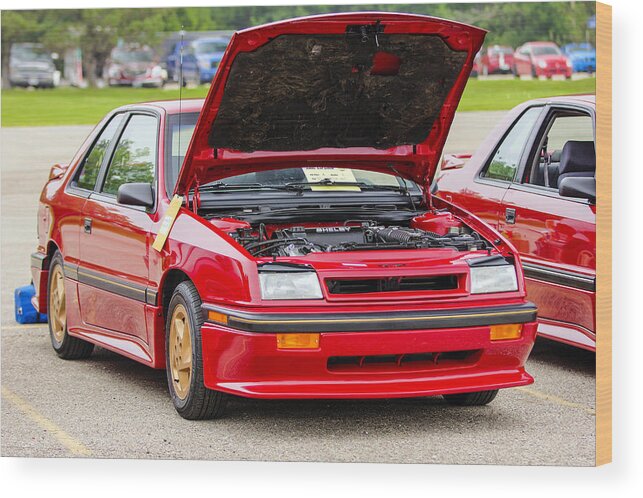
[(25, 312)]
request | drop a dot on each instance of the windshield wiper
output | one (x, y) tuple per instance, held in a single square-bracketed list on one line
[(298, 187)]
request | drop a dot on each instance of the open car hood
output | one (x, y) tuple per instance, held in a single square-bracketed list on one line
[(370, 90)]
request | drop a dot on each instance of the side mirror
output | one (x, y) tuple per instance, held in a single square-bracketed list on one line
[(57, 170), (454, 161), (136, 194), (577, 186)]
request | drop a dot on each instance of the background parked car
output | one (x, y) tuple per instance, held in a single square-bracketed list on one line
[(533, 180), (31, 65), (541, 59), (582, 57), (475, 69), (134, 66), (497, 59), (201, 59)]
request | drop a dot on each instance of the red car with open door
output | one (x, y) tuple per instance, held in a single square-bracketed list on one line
[(533, 180), (496, 59), (279, 240)]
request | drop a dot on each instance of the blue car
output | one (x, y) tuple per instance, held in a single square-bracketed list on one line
[(582, 56), (201, 59)]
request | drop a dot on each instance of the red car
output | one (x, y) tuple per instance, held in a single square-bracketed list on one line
[(134, 66), (538, 59), (496, 60), (297, 252), (533, 180)]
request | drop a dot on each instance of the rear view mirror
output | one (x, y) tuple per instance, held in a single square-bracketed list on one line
[(136, 194), (577, 186)]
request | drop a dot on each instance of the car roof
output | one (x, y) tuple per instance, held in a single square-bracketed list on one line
[(566, 99), (212, 38), (169, 106)]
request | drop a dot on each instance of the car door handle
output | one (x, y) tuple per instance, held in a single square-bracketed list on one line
[(87, 225), (510, 216)]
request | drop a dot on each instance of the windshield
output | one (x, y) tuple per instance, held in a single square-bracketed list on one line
[(30, 53), (501, 50), (546, 50), (124, 56), (210, 47), (579, 48), (178, 138)]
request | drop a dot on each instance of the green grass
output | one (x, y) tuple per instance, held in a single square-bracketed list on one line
[(497, 95), (72, 106)]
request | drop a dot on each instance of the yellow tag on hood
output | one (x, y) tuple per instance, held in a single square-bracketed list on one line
[(167, 222), (339, 175)]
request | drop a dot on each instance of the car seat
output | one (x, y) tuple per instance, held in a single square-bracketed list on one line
[(577, 159)]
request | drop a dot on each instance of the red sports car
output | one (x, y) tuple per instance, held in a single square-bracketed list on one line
[(278, 240), (541, 59), (496, 60), (533, 180)]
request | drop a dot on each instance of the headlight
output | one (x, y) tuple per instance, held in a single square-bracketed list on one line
[(569, 63), (486, 279), (290, 285), (542, 64), (203, 64)]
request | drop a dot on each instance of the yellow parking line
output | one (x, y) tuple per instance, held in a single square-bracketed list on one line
[(74, 446), (555, 399)]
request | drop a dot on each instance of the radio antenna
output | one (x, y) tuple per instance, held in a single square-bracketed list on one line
[(180, 163)]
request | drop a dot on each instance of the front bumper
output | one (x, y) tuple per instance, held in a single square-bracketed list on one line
[(554, 71), (32, 79), (368, 359)]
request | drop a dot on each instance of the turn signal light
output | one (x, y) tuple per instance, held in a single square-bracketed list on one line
[(506, 332), (297, 341), (215, 316)]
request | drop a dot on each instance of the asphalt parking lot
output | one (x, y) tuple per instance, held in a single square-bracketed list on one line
[(111, 407)]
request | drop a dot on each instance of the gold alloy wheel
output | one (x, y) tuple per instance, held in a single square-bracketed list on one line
[(57, 304), (180, 345)]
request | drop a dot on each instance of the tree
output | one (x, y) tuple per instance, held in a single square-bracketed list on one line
[(97, 31)]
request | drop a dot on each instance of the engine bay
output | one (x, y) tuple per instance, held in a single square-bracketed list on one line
[(288, 240)]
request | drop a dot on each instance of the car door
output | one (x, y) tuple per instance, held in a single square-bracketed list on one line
[(485, 194), (115, 239), (555, 235)]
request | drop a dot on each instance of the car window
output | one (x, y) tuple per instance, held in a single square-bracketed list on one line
[(177, 138), (546, 50), (565, 128), (88, 172), (561, 127), (506, 159), (134, 158)]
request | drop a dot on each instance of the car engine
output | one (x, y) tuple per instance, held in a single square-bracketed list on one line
[(302, 240)]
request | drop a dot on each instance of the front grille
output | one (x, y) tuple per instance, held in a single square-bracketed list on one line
[(402, 362), (392, 284)]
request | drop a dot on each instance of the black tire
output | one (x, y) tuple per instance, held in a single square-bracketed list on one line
[(479, 398), (200, 403), (69, 348)]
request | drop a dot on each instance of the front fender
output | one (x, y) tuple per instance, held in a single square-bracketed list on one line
[(220, 269)]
